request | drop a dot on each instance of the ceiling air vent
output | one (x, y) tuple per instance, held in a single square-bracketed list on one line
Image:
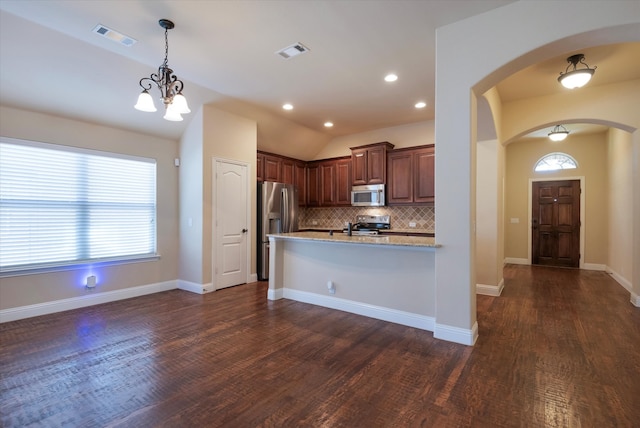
[(293, 50), (114, 35)]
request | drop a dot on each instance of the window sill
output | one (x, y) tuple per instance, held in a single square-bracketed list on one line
[(75, 265)]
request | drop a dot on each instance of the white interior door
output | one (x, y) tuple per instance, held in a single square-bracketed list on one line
[(231, 235)]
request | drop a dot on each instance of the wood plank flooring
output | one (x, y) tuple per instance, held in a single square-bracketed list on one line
[(559, 348)]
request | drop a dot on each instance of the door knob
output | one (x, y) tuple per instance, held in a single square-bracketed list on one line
[(245, 230)]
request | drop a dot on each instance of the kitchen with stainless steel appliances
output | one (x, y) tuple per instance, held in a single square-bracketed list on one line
[(277, 213)]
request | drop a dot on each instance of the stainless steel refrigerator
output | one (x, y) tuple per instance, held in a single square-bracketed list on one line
[(277, 213)]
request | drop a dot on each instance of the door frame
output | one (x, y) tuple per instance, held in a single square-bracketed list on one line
[(214, 225), (582, 214)]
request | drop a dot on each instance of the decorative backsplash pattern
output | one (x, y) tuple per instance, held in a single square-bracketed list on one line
[(336, 217)]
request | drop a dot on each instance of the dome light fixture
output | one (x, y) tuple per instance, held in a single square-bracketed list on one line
[(558, 133), (170, 87), (576, 78)]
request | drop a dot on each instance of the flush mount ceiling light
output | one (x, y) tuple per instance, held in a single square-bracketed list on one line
[(390, 78), (287, 106), (420, 104), (576, 78), (170, 87), (558, 133), (328, 124)]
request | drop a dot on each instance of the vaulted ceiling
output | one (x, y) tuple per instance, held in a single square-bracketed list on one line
[(225, 51)]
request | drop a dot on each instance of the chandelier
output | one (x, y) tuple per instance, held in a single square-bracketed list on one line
[(558, 133), (170, 87), (578, 77)]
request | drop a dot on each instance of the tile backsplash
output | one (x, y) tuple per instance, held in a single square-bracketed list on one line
[(336, 217)]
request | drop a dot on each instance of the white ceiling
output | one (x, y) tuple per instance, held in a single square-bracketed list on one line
[(225, 50)]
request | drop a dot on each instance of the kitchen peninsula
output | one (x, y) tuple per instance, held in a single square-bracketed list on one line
[(388, 277)]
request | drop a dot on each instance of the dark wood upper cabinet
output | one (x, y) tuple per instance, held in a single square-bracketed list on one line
[(272, 168), (359, 166), (400, 186), (369, 163), (288, 171), (328, 183), (300, 181), (424, 184), (411, 176), (260, 167), (343, 181), (313, 184)]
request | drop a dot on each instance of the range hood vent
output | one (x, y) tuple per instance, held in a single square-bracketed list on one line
[(293, 50)]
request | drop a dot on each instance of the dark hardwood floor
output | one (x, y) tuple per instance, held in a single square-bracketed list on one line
[(559, 348)]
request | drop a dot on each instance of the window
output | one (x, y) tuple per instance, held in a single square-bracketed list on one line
[(555, 162), (66, 206)]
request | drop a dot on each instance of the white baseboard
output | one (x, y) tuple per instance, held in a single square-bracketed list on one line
[(490, 290), (516, 261), (409, 319), (275, 294), (253, 277), (194, 287), (46, 308), (619, 279), (457, 334), (635, 300), (594, 266)]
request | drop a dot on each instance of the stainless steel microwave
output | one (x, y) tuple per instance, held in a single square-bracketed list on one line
[(371, 195)]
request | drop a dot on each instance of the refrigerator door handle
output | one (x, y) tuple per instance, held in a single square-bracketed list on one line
[(284, 211)]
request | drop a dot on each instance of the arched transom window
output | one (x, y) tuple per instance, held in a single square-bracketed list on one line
[(555, 162)]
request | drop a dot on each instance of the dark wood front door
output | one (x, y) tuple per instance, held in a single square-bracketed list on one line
[(556, 223)]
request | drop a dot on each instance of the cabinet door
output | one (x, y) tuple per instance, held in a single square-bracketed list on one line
[(343, 182), (313, 185), (359, 166), (424, 165), (260, 167), (288, 171), (300, 180), (400, 186), (272, 167), (376, 165), (328, 183)]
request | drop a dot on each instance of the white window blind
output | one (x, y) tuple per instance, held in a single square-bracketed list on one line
[(62, 205)]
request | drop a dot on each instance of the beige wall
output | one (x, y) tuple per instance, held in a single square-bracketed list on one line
[(191, 201), (26, 290), (415, 134), (620, 204), (231, 137), (590, 151), (212, 134), (488, 213)]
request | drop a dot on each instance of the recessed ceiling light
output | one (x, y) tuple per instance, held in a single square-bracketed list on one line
[(287, 106), (328, 124), (421, 104), (390, 77)]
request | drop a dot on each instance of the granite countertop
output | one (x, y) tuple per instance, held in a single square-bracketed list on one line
[(339, 237), (389, 231)]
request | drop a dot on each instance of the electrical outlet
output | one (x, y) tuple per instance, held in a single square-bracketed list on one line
[(412, 224), (314, 222)]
